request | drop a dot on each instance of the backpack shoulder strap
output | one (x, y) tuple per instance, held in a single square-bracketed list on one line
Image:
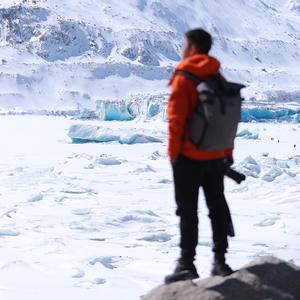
[(195, 78), (190, 76)]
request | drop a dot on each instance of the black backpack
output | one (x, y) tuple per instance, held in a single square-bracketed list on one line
[(213, 124)]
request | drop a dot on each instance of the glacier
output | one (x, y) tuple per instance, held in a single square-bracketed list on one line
[(66, 56), (270, 115), (151, 109)]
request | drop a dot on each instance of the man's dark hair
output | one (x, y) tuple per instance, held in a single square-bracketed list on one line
[(200, 38)]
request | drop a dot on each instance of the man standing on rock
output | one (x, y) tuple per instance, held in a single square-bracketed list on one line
[(194, 168)]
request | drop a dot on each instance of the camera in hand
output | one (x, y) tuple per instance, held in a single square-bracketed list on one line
[(231, 173), (236, 176)]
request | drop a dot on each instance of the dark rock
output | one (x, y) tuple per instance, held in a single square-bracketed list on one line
[(266, 278)]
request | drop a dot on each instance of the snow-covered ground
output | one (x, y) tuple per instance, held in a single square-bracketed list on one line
[(96, 220)]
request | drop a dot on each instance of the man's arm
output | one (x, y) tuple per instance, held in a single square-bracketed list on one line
[(178, 108)]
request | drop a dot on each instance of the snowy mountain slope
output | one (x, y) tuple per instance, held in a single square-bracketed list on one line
[(66, 55)]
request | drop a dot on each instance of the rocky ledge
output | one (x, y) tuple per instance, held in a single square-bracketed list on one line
[(265, 278)]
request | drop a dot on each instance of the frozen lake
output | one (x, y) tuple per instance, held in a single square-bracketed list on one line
[(96, 220)]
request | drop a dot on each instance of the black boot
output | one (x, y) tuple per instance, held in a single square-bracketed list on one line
[(184, 270), (220, 268)]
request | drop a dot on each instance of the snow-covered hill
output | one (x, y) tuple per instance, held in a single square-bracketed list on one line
[(67, 55)]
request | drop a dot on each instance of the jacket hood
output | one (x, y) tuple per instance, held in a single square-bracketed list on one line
[(201, 65)]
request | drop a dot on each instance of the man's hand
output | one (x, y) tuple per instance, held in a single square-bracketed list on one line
[(228, 160), (173, 160)]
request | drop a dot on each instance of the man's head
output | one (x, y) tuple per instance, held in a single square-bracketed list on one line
[(197, 41)]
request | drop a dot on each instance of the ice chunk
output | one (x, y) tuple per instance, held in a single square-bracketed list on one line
[(139, 139), (159, 237), (105, 160), (249, 167), (146, 107), (113, 110), (81, 133), (271, 115), (36, 198), (289, 173), (272, 174), (256, 114), (138, 216), (88, 133), (283, 164), (153, 109), (246, 134), (146, 169), (106, 261), (146, 216)]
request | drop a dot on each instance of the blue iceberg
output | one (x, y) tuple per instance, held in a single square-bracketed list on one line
[(270, 115), (91, 134), (81, 133)]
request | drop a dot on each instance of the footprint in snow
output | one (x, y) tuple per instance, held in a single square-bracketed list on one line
[(105, 160), (86, 225), (8, 232), (165, 181), (156, 155), (146, 169), (260, 245), (81, 155), (146, 216), (60, 199), (81, 211), (160, 237), (291, 200), (267, 222), (90, 283), (98, 239), (79, 274), (79, 191), (99, 281), (15, 265), (9, 213)]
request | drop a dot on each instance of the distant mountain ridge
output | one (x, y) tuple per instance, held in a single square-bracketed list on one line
[(69, 54)]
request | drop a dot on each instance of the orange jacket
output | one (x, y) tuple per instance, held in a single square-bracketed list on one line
[(182, 102)]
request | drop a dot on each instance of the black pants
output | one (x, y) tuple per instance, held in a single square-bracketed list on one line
[(189, 175)]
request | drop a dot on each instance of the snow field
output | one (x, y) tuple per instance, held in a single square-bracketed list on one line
[(97, 219)]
